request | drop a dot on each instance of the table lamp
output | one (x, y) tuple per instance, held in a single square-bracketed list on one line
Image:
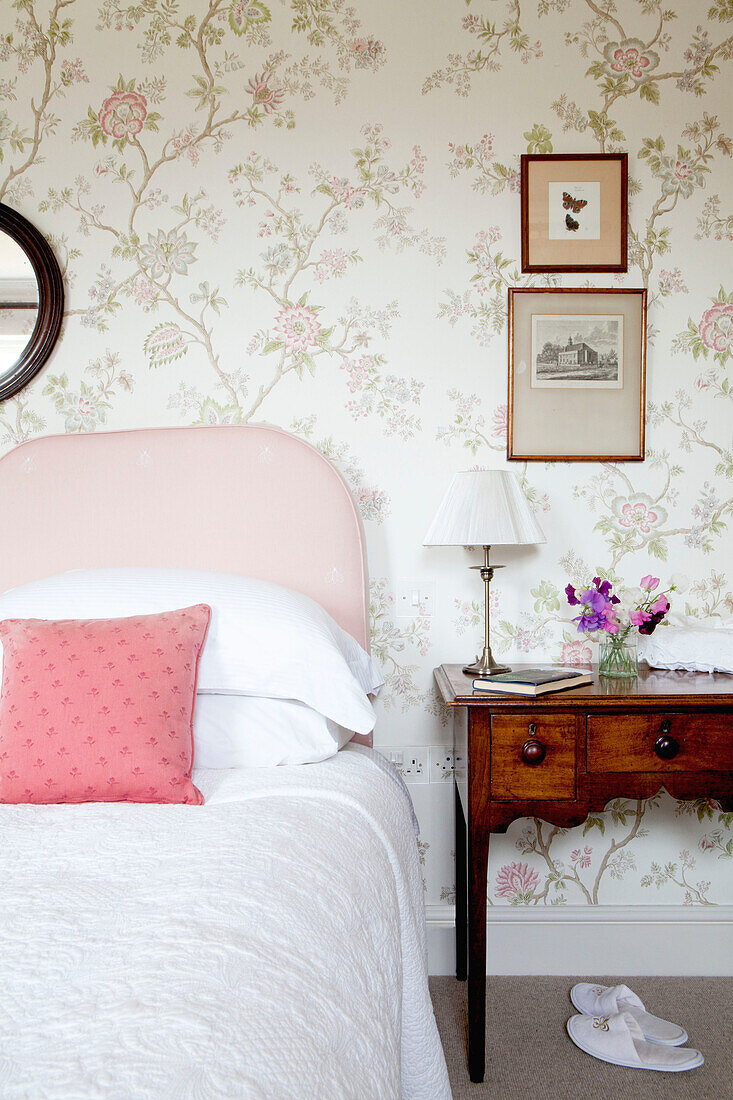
[(484, 508)]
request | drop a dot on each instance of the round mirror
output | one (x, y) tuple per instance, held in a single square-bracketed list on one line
[(31, 301)]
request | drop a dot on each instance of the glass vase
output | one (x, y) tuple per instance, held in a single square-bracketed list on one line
[(618, 657)]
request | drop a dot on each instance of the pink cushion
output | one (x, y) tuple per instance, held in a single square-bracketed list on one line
[(100, 710)]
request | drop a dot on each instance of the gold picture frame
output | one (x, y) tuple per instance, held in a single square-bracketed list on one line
[(577, 374)]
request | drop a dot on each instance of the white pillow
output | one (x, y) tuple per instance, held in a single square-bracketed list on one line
[(263, 639), (243, 731)]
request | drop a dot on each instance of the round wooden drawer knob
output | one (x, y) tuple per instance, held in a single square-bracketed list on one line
[(533, 752), (666, 747)]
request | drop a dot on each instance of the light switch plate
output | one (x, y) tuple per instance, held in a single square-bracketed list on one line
[(411, 761), (414, 598)]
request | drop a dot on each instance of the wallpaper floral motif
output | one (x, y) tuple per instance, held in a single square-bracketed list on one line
[(306, 212)]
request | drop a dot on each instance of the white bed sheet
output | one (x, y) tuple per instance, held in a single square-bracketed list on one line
[(265, 946)]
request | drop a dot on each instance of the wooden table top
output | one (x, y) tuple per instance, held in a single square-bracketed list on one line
[(653, 687)]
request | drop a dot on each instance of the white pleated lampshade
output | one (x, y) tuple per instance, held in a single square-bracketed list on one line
[(484, 508)]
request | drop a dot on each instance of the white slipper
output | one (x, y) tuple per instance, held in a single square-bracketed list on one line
[(608, 1000), (620, 1041)]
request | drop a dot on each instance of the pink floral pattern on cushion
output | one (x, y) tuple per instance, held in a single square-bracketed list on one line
[(100, 710)]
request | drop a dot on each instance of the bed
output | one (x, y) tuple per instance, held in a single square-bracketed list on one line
[(270, 943)]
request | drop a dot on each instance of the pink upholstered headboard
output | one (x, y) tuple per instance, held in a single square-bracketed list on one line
[(246, 499)]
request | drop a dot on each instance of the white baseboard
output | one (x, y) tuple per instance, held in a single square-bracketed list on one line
[(612, 939)]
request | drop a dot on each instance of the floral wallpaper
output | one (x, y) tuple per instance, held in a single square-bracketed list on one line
[(307, 212)]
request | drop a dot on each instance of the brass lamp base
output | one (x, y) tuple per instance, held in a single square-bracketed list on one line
[(485, 665)]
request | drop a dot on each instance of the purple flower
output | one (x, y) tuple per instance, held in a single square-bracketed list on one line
[(600, 608), (604, 587), (650, 626), (593, 615), (657, 611)]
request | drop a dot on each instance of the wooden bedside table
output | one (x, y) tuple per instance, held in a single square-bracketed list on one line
[(561, 755)]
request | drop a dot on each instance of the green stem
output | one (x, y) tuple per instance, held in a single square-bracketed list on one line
[(617, 657)]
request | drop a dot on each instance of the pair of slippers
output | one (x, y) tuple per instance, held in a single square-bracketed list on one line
[(615, 1027)]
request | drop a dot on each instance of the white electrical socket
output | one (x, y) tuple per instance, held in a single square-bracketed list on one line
[(411, 762), (442, 764), (415, 766)]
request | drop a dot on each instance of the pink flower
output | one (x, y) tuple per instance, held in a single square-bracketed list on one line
[(499, 422), (265, 228), (122, 114), (516, 881), (182, 142), (72, 72), (716, 328), (661, 604), (367, 52), (581, 859), (637, 515), (671, 282), (609, 612), (268, 97), (638, 511), (297, 327), (361, 373), (630, 56), (636, 618), (649, 582), (527, 640), (575, 653), (705, 380), (81, 413), (244, 13)]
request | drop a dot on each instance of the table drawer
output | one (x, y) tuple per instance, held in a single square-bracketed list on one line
[(660, 742), (533, 757)]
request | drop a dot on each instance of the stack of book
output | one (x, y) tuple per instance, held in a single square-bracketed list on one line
[(534, 681)]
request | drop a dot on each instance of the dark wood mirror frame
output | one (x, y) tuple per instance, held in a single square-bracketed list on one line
[(50, 301)]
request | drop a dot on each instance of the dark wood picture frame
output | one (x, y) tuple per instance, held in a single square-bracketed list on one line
[(589, 252), (50, 301), (635, 398)]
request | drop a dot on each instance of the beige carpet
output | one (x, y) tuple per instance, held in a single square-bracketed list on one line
[(530, 1057)]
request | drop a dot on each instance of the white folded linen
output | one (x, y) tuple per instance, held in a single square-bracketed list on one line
[(687, 643)]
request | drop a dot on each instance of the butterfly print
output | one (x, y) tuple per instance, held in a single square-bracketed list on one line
[(571, 223), (569, 203)]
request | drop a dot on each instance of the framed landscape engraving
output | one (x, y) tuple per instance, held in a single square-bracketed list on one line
[(577, 364), (574, 212), (578, 351)]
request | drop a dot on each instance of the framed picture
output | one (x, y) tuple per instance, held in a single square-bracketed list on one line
[(574, 212), (577, 365)]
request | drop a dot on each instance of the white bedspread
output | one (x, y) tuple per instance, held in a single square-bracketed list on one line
[(266, 946)]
